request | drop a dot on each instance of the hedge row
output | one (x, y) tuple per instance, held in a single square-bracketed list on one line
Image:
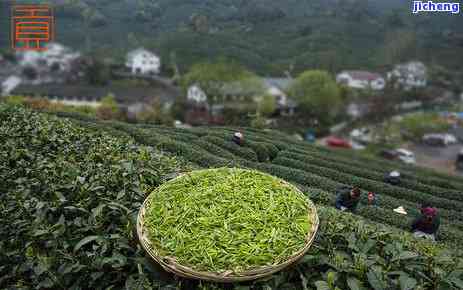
[(378, 187), (242, 152), (193, 154), (295, 175), (388, 203), (439, 177), (183, 133), (140, 135), (373, 165), (308, 179), (264, 151), (450, 235), (213, 149), (250, 135), (373, 175)]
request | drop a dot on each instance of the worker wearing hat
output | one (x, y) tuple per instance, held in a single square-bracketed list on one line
[(392, 177), (238, 138), (347, 198), (427, 224)]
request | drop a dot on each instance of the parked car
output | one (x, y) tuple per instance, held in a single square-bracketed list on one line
[(406, 156), (338, 142), (439, 139), (459, 161), (361, 135), (389, 154)]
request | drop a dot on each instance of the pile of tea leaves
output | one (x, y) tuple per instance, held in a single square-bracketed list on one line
[(227, 219)]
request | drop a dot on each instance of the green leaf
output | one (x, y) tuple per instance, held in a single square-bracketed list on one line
[(407, 282), (40, 232), (243, 288), (368, 246), (457, 282), (354, 283), (98, 210), (331, 278), (85, 241), (406, 255), (322, 285), (375, 279), (308, 259)]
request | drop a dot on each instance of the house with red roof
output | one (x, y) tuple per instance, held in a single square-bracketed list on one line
[(361, 79)]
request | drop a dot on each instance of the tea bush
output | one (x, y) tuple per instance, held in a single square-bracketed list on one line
[(361, 172), (70, 192), (372, 185)]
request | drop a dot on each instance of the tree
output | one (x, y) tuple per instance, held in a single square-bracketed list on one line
[(266, 105), (212, 76), (109, 109), (97, 73), (317, 94), (155, 114)]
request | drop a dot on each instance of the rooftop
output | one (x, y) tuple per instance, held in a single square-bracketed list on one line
[(281, 83), (122, 94), (363, 75)]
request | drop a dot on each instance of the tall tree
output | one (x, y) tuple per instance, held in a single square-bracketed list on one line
[(317, 94), (211, 77)]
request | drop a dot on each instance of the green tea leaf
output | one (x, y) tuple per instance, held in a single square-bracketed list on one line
[(354, 283), (375, 279), (406, 255), (406, 282), (85, 241), (322, 285)]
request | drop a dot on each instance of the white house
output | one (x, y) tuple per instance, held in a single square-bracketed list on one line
[(9, 84), (410, 75), (196, 94), (56, 55), (278, 87), (361, 80), (142, 61)]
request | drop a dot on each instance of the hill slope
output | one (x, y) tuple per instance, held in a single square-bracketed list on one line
[(72, 189), (269, 36), (318, 171)]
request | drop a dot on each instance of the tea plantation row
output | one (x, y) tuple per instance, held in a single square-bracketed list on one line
[(71, 191), (213, 147)]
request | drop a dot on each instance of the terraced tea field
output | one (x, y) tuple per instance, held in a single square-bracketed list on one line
[(72, 187), (317, 171)]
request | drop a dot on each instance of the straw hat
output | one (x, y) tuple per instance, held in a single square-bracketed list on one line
[(400, 210)]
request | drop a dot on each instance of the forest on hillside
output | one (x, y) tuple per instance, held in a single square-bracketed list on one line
[(270, 37)]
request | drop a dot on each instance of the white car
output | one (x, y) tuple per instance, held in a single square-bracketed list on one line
[(362, 135), (406, 156), (439, 139)]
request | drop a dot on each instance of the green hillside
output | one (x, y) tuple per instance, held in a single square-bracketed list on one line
[(268, 36), (72, 187)]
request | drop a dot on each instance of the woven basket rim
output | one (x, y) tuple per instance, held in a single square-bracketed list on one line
[(170, 264)]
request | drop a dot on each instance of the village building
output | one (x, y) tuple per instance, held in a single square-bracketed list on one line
[(358, 79), (142, 61), (236, 95), (53, 65), (56, 57), (196, 95), (203, 110), (131, 99), (278, 88), (409, 75)]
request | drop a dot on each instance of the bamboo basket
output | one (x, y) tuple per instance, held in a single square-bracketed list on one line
[(170, 264)]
